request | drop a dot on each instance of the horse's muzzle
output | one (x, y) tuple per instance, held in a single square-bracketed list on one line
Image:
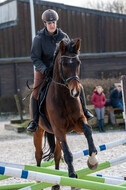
[(74, 86)]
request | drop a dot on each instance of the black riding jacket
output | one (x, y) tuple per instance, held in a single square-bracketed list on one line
[(43, 48)]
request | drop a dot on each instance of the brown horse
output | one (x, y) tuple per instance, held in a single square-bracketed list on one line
[(63, 109)]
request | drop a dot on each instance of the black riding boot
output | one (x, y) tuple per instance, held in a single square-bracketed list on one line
[(33, 125), (99, 126), (102, 125), (87, 113)]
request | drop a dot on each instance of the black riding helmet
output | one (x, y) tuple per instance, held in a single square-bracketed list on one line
[(50, 16)]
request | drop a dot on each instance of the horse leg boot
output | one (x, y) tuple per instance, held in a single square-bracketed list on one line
[(68, 157), (92, 161), (87, 113), (33, 125)]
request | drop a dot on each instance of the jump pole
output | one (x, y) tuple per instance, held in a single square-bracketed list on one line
[(101, 147), (124, 185), (48, 178), (2, 177), (75, 155), (107, 180), (112, 177), (15, 186), (123, 84), (80, 173), (101, 166), (89, 178), (49, 163)]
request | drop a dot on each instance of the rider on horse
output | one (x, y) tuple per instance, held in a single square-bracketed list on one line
[(42, 55)]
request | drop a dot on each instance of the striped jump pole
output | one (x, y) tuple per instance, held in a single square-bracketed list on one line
[(101, 147), (89, 178), (80, 173), (49, 178), (112, 177), (102, 166), (107, 180), (75, 155)]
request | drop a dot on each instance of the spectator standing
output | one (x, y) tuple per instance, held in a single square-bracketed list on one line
[(99, 100)]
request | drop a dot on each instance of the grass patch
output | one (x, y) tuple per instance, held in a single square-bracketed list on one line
[(119, 116), (109, 126), (24, 124)]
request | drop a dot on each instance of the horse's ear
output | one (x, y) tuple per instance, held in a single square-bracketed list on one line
[(62, 47), (77, 44)]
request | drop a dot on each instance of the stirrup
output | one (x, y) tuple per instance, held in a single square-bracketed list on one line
[(32, 126)]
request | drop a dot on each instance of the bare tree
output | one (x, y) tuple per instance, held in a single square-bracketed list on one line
[(116, 6)]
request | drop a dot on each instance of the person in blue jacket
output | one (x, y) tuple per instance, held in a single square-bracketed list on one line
[(116, 97)]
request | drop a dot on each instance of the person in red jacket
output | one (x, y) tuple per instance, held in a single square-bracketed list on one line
[(98, 99)]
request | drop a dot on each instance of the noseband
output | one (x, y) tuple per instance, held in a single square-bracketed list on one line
[(70, 79)]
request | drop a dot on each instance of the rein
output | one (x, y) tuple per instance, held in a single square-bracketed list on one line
[(32, 89)]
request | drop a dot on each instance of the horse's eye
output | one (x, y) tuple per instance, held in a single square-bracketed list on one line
[(64, 63)]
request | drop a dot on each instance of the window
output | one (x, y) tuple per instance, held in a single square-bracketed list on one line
[(8, 13)]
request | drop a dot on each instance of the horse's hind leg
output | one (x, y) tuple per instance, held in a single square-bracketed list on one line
[(57, 157), (38, 136)]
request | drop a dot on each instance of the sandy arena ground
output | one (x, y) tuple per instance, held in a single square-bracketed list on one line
[(18, 148)]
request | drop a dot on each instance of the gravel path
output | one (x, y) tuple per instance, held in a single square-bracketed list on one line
[(18, 148)]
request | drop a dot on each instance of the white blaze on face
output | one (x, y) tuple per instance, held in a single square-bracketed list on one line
[(74, 91)]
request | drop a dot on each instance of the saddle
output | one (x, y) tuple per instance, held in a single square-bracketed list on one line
[(41, 100)]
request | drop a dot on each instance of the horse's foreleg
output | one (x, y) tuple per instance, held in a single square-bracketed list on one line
[(92, 161), (68, 157), (38, 136)]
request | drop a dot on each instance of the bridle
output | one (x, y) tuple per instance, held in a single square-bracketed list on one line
[(69, 79)]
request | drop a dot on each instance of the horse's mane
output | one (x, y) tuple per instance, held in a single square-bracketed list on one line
[(69, 47)]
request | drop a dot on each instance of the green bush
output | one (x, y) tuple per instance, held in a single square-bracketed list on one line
[(90, 84)]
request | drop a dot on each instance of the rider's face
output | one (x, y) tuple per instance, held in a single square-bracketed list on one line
[(51, 26)]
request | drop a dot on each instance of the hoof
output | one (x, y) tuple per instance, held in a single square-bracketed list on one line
[(55, 187), (92, 162), (73, 175)]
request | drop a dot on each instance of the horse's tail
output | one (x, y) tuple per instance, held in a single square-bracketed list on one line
[(49, 154)]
